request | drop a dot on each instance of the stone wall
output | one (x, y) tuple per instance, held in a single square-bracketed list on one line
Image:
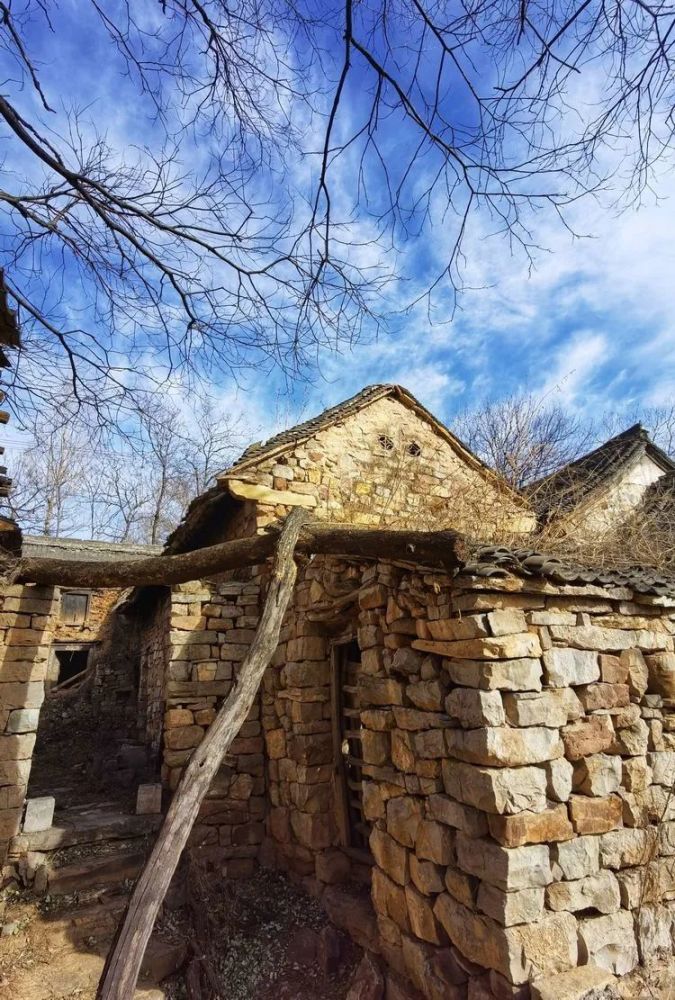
[(25, 634), (519, 752), (385, 465), (208, 630)]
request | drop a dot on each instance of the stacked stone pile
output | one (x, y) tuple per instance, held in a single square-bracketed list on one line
[(520, 751)]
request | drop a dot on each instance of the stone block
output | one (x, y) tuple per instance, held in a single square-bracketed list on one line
[(14, 772), (587, 982), (376, 747), (306, 647), (638, 674), (576, 859), (636, 774), (559, 774), (307, 673), (389, 899), (10, 820), (520, 953), (413, 719), (507, 621), (609, 942), (176, 717), (404, 815), (312, 830), (607, 640), (661, 674), (570, 667), (376, 691), (17, 746), (423, 923), (662, 766), (588, 736), (149, 799), (435, 842), (496, 790), (504, 746), (508, 868), (467, 627), (549, 826), (631, 740), (546, 708), (39, 814), (390, 856), (523, 674), (427, 695), (474, 708), (15, 695), (598, 892), (508, 908), (654, 932), (590, 815), (628, 847), (603, 696), (430, 745), (504, 647), (461, 817), (426, 876), (461, 887), (183, 738), (597, 775), (612, 669)]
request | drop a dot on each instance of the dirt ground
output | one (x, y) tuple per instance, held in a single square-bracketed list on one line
[(267, 940)]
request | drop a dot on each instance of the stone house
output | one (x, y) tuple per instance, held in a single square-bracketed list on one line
[(471, 770), (601, 491)]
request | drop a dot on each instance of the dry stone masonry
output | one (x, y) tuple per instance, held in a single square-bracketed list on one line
[(518, 755)]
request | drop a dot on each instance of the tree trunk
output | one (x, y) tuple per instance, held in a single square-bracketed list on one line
[(121, 970), (447, 549)]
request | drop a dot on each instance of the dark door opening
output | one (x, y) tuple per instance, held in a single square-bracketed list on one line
[(71, 662), (348, 746)]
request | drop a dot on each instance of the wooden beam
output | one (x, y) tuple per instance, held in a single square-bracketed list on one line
[(446, 549)]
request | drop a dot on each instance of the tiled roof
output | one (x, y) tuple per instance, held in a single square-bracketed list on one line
[(574, 482), (304, 430), (494, 561)]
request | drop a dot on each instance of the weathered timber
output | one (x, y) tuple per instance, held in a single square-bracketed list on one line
[(447, 549), (120, 973)]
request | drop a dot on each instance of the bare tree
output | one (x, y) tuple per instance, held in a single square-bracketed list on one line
[(133, 486), (522, 437), (415, 113)]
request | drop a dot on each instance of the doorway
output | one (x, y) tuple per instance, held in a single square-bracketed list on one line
[(348, 747)]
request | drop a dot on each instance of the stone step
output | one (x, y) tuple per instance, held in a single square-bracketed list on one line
[(87, 827), (89, 873)]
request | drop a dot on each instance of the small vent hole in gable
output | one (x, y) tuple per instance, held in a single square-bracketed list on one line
[(385, 443)]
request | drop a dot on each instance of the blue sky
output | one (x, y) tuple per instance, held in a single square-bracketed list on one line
[(590, 324)]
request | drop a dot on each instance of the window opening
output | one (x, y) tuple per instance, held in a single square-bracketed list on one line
[(74, 607), (71, 663), (414, 449), (386, 443), (348, 745)]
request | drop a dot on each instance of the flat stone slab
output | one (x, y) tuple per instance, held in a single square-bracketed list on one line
[(586, 982), (39, 814), (149, 800), (85, 829)]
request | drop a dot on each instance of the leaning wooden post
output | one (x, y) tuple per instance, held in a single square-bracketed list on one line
[(120, 974)]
